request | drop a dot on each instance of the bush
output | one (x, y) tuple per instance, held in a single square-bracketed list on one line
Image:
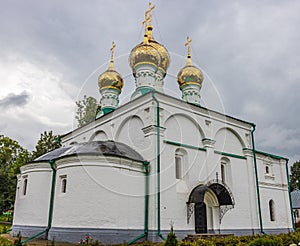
[(267, 241), (171, 239), (5, 242)]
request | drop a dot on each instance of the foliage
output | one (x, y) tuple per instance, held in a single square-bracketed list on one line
[(171, 238), (12, 157), (267, 241), (6, 217), (46, 143), (86, 110), (4, 228), (295, 176), (5, 242)]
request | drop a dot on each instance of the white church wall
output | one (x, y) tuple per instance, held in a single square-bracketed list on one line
[(102, 192), (281, 210), (227, 140), (31, 207)]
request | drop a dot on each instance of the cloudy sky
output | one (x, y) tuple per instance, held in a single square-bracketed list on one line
[(52, 52)]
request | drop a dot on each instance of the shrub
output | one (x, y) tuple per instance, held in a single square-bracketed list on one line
[(171, 239), (203, 242), (267, 241), (5, 242)]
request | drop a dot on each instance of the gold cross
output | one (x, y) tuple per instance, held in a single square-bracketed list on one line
[(112, 50), (148, 14), (188, 44)]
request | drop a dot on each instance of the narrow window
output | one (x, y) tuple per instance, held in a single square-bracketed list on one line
[(178, 167), (223, 177), (64, 185), (25, 186), (272, 210), (267, 170)]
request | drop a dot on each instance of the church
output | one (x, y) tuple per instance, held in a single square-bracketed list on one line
[(152, 163)]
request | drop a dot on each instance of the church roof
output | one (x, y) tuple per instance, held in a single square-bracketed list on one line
[(109, 148), (295, 196)]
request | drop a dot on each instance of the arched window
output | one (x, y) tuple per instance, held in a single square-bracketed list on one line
[(223, 174), (64, 185), (225, 171), (25, 186), (272, 210), (267, 170), (178, 166), (180, 163)]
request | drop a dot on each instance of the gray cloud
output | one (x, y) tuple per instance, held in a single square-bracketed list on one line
[(14, 100), (250, 50)]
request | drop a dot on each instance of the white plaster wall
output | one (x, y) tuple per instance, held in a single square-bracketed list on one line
[(281, 205), (134, 123), (32, 209), (107, 193)]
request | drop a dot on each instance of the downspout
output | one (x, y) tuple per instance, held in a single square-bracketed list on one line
[(158, 163), (50, 212), (289, 190), (256, 179), (146, 212)]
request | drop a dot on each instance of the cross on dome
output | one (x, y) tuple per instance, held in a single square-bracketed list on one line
[(112, 50), (188, 44)]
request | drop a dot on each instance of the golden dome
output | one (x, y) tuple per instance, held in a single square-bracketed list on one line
[(189, 75), (164, 54), (144, 53), (110, 79)]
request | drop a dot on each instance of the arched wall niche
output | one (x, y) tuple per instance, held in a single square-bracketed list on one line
[(99, 136), (228, 140), (183, 129), (131, 133)]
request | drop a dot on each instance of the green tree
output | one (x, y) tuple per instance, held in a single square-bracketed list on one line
[(295, 176), (12, 157), (87, 109), (46, 143)]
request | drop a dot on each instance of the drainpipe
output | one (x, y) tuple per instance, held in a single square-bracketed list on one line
[(256, 179), (158, 163), (289, 190), (146, 212), (50, 212)]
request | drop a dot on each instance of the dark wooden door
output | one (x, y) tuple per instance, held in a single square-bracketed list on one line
[(200, 218)]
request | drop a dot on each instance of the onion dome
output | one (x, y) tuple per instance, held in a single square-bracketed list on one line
[(110, 78), (163, 52), (189, 74), (144, 53)]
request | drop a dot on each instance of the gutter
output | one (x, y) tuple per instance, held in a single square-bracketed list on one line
[(289, 190), (256, 180), (158, 164), (50, 212), (146, 212)]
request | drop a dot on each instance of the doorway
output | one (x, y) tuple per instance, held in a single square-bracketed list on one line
[(200, 218)]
